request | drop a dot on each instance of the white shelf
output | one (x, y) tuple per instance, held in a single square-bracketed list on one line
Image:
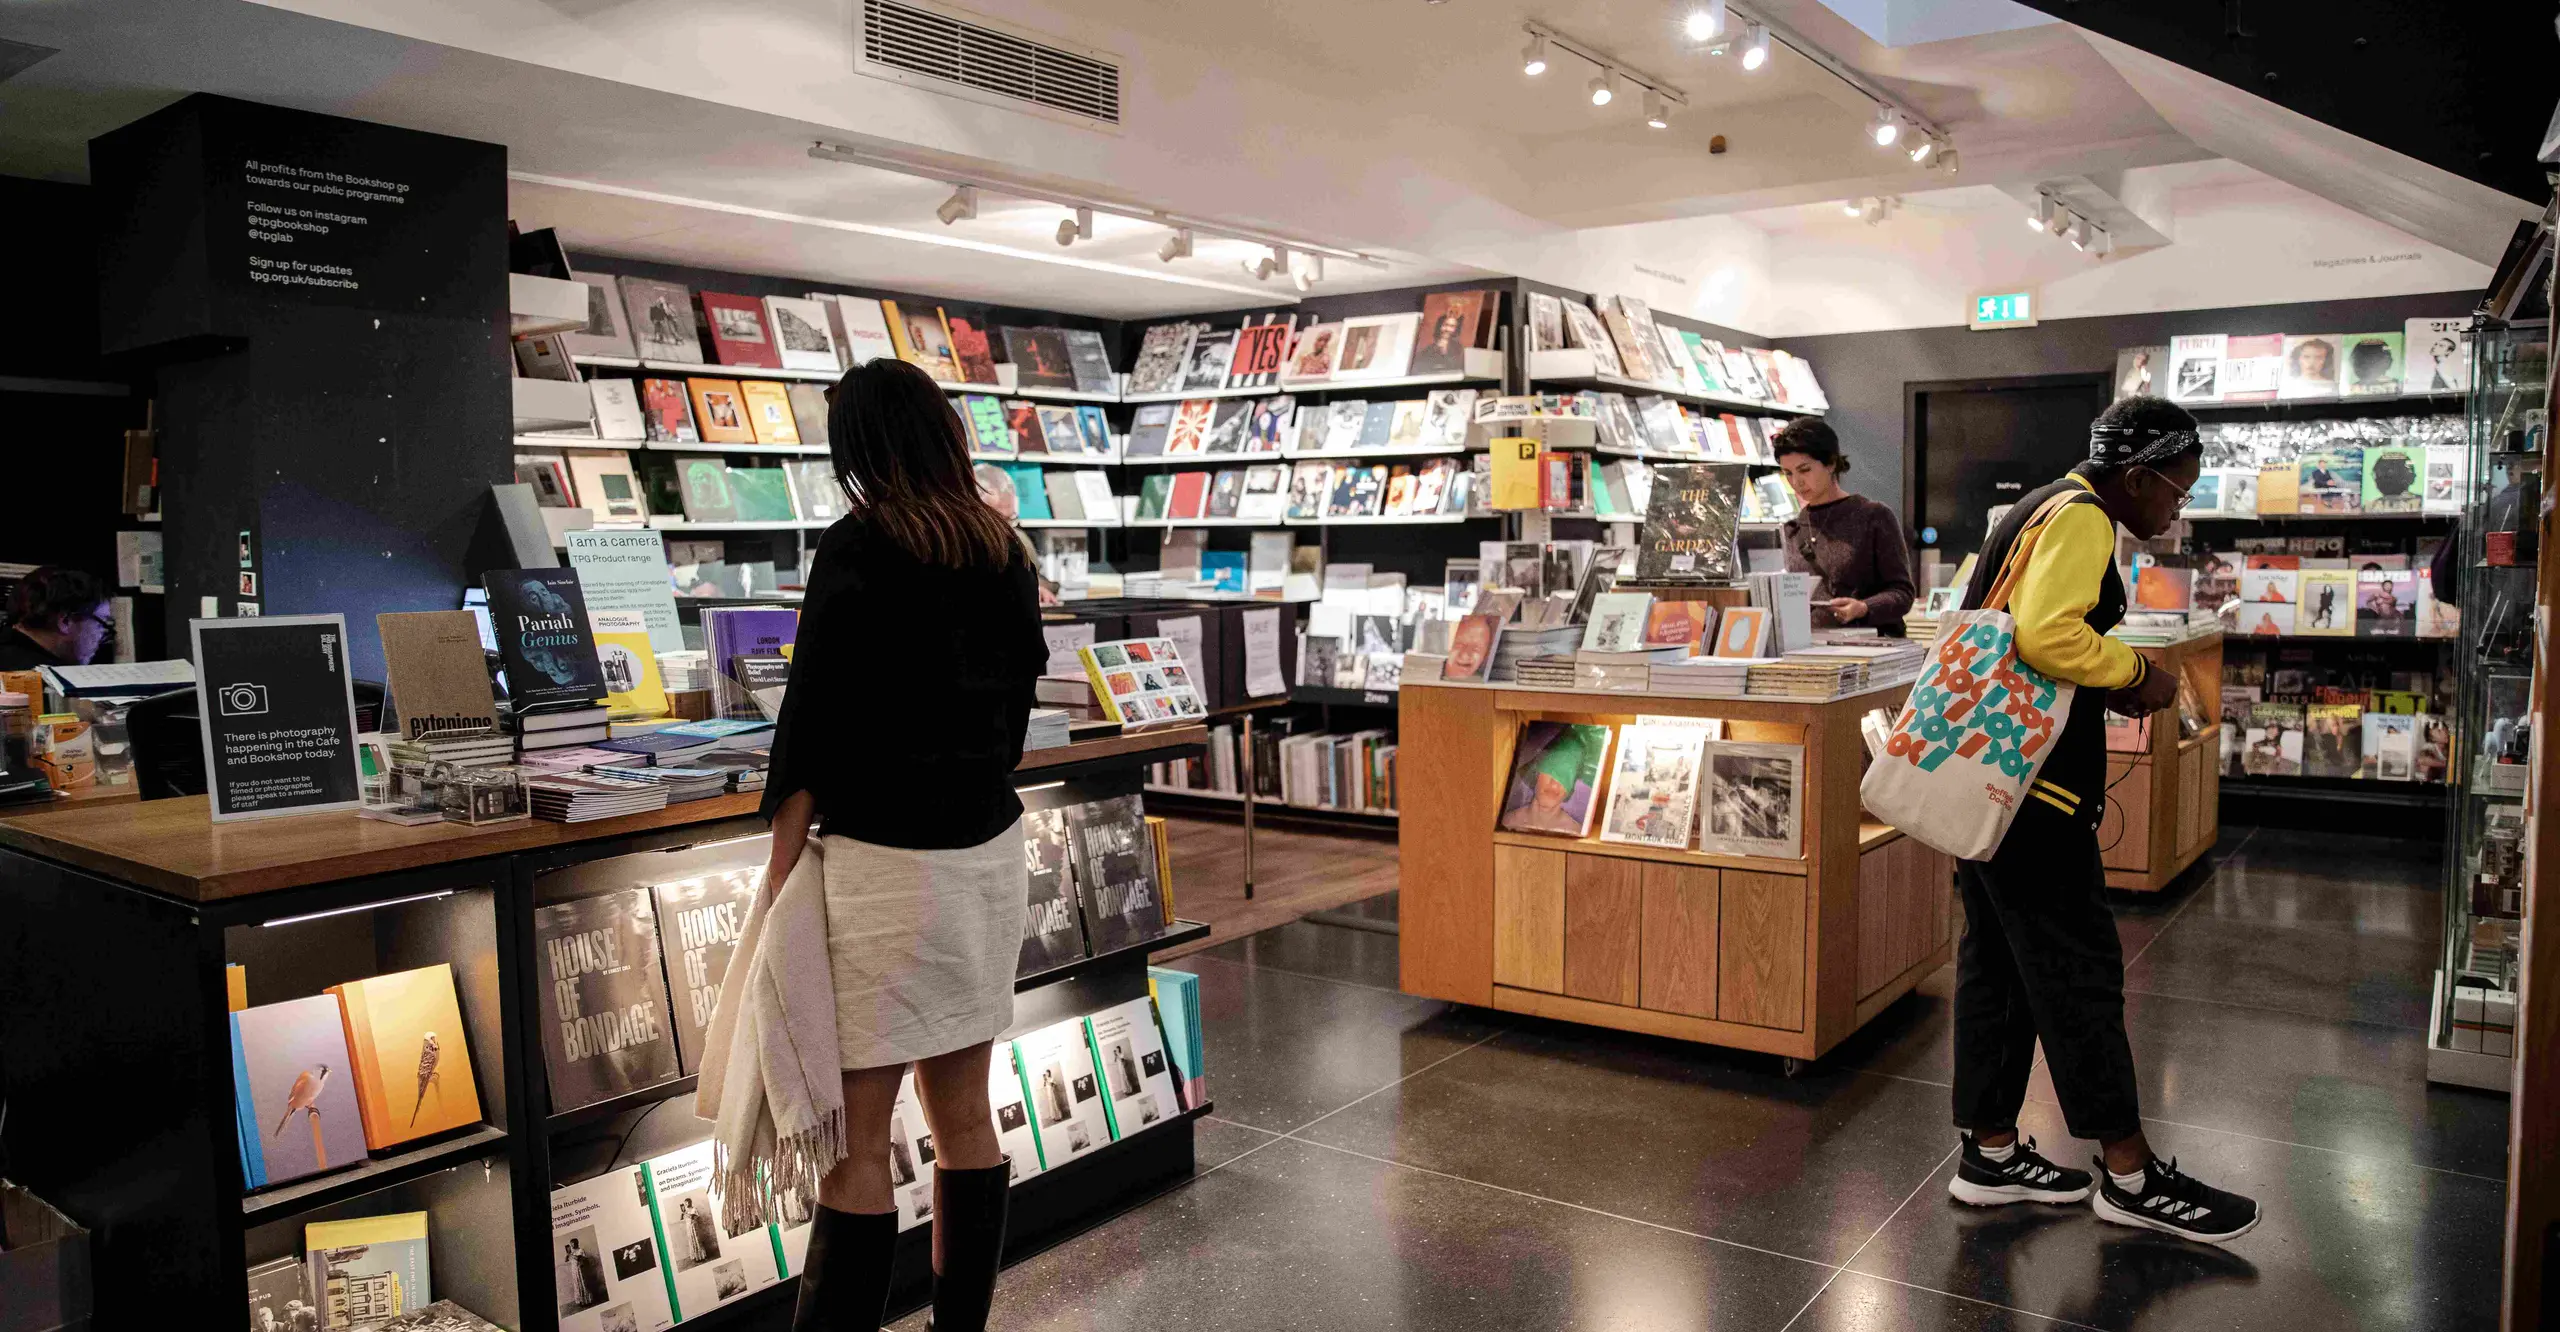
[(1484, 365), (709, 370), (1066, 522), (674, 446), (1035, 394), (617, 362), (1406, 451), (1049, 459), (1203, 522), (665, 523), (1265, 391), (1388, 520), (1570, 367), (1199, 459)]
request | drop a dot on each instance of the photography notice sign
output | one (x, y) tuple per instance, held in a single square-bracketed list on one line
[(279, 715)]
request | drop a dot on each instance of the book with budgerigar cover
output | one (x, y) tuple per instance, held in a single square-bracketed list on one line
[(411, 1053)]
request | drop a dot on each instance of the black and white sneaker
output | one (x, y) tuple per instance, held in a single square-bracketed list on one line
[(2178, 1203), (2024, 1177)]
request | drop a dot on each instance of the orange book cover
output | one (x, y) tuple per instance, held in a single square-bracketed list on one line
[(769, 411), (720, 411), (413, 1063)]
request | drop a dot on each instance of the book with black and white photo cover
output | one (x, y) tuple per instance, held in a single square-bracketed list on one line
[(2310, 366), (605, 1019), (1653, 791), (1058, 1078), (1754, 800), (1138, 1091), (1115, 873), (2370, 365), (617, 409), (1164, 353), (540, 618), (699, 918), (605, 333), (1582, 328), (2447, 465), (2438, 356), (1092, 361), (1546, 322), (739, 331), (280, 1297), (802, 332), (2142, 372), (2390, 752), (662, 322), (866, 330), (1689, 524), (2195, 367), (706, 1266), (1040, 358), (1229, 419), (1211, 349), (2252, 367), (2272, 744), (911, 1155), (1053, 929), (1261, 351), (1011, 1106), (438, 674)]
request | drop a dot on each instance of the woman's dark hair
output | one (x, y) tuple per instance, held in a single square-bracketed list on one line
[(50, 592), (903, 457), (1809, 436)]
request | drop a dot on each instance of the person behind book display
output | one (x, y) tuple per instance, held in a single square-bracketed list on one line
[(1854, 544), (57, 617), (2040, 957), (907, 776)]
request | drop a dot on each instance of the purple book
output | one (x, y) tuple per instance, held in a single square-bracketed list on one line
[(732, 632)]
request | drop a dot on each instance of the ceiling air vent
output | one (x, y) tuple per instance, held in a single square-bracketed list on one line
[(913, 44)]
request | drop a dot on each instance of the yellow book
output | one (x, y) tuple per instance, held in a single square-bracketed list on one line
[(2279, 489), (235, 985), (922, 339), (413, 1062), (633, 689), (769, 411), (1515, 473), (368, 1269), (1161, 834)]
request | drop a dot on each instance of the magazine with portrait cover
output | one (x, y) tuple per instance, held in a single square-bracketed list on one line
[(1058, 1078), (706, 1265), (1754, 800), (1653, 790), (2369, 365), (1689, 523), (1555, 779), (606, 1027), (2394, 478), (1163, 353), (1011, 1106), (2272, 744), (1137, 1080), (2310, 366), (2437, 356), (607, 1267), (2142, 372), (1115, 872)]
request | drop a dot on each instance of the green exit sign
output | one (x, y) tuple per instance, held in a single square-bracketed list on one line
[(2008, 309)]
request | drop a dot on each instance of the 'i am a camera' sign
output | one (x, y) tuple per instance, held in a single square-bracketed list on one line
[(278, 705)]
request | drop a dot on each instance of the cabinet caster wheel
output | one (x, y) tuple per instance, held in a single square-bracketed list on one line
[(1792, 1066)]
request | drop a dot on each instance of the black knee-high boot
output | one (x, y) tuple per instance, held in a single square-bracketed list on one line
[(844, 1280), (969, 1209)]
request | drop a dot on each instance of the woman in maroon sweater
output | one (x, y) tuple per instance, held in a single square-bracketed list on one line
[(1853, 543)]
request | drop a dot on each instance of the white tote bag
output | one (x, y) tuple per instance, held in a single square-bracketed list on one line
[(1977, 728)]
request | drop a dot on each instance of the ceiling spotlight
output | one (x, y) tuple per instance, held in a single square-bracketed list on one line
[(1920, 150), (2103, 244), (961, 206), (1946, 160), (1755, 46), (1604, 86), (1657, 112), (1261, 269), (1176, 246), (1888, 127), (1533, 58), (2040, 217), (2078, 233), (1849, 207), (1304, 269), (1076, 228), (1704, 22)]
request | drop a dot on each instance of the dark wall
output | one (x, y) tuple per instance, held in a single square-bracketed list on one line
[(332, 379), (1865, 374)]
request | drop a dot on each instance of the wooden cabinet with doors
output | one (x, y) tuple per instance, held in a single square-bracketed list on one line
[(2164, 799), (1786, 956)]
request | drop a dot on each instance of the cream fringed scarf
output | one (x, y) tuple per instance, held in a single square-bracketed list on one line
[(769, 1077)]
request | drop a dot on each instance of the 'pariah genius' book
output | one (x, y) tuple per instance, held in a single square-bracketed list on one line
[(295, 1089), (699, 920), (605, 1027), (540, 617), (412, 1057)]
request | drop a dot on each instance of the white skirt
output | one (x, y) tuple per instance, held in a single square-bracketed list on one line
[(923, 945)]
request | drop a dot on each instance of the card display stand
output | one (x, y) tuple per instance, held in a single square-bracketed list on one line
[(116, 1063), (1783, 956)]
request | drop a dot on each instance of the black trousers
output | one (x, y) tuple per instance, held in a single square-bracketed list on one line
[(2040, 958)]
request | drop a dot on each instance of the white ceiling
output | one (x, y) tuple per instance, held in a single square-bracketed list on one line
[(675, 131)]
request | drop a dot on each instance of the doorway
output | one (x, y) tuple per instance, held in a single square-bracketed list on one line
[(1970, 445)]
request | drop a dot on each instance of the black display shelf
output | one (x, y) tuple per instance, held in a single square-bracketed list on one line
[(1343, 698), (2332, 790), (2358, 517), (2232, 640), (2380, 404), (380, 1172), (1183, 932)]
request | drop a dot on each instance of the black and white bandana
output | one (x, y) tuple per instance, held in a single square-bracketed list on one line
[(2126, 446)]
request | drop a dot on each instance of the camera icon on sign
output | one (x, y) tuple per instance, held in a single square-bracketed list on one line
[(241, 700)]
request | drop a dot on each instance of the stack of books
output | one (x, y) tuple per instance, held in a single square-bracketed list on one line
[(575, 797), (556, 728), (1070, 695), (2162, 628), (480, 747), (1705, 677), (584, 758), (1791, 678), (743, 768), (681, 784), (685, 672), (1048, 728), (1518, 644), (1622, 670), (664, 749), (1880, 661), (1555, 672)]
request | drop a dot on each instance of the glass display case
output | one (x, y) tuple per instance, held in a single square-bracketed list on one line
[(2489, 737)]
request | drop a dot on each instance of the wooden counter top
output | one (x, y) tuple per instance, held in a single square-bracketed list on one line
[(174, 847)]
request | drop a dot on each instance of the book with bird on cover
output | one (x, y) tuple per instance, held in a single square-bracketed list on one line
[(412, 1058), (699, 920), (605, 1028), (296, 1091)]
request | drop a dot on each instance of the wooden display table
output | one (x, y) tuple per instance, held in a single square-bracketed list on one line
[(2164, 804), (1782, 956)]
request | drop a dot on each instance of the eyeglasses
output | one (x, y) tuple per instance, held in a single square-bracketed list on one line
[(2183, 495), (106, 622)]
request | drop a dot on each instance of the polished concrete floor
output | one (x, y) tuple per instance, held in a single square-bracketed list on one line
[(1380, 1161)]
